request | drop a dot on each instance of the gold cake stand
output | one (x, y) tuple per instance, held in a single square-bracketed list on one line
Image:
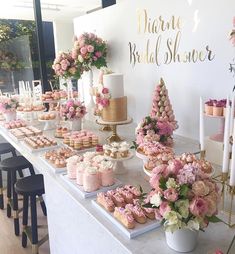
[(114, 137)]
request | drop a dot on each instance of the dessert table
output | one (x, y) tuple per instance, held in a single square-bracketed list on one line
[(76, 226)]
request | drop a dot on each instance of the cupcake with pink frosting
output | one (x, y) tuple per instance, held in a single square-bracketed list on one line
[(106, 173), (72, 166), (91, 180)]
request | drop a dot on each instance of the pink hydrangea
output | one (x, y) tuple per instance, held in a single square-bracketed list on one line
[(171, 194)]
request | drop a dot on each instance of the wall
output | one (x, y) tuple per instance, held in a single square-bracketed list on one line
[(203, 23), (63, 35)]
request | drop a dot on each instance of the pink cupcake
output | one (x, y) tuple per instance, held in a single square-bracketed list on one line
[(91, 181), (106, 173)]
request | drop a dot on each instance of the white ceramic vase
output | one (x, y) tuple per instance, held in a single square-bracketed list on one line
[(76, 125), (182, 240), (9, 116)]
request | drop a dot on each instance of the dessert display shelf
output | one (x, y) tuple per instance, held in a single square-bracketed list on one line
[(79, 189), (114, 137), (119, 168), (219, 137), (130, 233)]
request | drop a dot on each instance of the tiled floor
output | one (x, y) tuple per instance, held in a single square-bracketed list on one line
[(11, 244)]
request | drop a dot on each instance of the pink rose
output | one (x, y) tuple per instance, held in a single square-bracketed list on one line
[(83, 50), (154, 181), (74, 54), (157, 214), (171, 194), (200, 189), (164, 208), (105, 90), (57, 67), (104, 102), (94, 58), (69, 103), (98, 54), (90, 48), (174, 166), (161, 170), (218, 251), (71, 109), (198, 207), (212, 206)]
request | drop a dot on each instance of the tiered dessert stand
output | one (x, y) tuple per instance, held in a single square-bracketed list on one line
[(114, 137), (119, 168)]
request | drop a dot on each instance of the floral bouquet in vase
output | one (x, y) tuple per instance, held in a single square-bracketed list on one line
[(90, 51), (185, 199), (152, 129), (73, 111), (8, 106), (66, 67)]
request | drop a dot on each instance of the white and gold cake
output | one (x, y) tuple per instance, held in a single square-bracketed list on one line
[(117, 109)]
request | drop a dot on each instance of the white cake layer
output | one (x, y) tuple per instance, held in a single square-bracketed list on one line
[(114, 82)]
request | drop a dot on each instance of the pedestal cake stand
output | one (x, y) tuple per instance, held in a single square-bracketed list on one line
[(114, 137)]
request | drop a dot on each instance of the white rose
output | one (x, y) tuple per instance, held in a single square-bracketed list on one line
[(80, 59), (171, 183), (156, 200), (193, 224)]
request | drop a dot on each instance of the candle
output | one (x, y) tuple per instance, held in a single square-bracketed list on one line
[(232, 173), (225, 165), (201, 125), (231, 116)]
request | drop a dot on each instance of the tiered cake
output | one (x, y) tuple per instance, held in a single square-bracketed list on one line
[(117, 109)]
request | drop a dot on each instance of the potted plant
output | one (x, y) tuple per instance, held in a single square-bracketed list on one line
[(185, 200), (73, 111), (8, 107)]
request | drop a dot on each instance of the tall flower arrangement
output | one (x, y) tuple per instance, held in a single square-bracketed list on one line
[(90, 51), (183, 196), (66, 67)]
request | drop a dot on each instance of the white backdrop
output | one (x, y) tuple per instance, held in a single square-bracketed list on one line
[(203, 23)]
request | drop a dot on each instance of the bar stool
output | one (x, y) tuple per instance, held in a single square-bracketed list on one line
[(11, 166), (31, 187), (5, 148)]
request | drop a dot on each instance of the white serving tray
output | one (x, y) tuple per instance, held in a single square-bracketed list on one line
[(130, 233), (52, 167), (79, 189), (30, 149)]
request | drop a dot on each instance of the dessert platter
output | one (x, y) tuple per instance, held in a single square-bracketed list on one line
[(173, 163), (13, 124), (23, 132), (118, 153), (122, 207), (57, 159), (61, 131), (39, 143), (56, 96), (81, 140), (89, 174)]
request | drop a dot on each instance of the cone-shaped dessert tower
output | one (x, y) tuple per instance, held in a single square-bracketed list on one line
[(161, 106)]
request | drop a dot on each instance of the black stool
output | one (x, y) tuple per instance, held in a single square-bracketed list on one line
[(31, 187), (11, 166), (5, 148)]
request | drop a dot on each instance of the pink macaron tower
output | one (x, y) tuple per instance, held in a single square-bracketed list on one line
[(161, 106), (91, 180), (106, 173)]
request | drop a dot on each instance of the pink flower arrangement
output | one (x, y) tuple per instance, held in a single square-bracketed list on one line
[(65, 66), (72, 110), (102, 99), (90, 50), (154, 130), (8, 104), (183, 197)]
